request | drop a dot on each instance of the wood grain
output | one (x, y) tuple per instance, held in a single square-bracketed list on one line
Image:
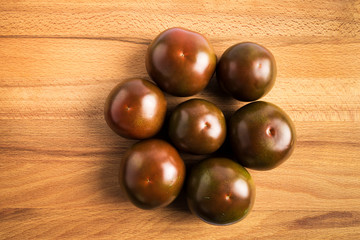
[(59, 160)]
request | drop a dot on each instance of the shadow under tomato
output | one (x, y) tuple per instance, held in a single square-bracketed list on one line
[(223, 100), (180, 204)]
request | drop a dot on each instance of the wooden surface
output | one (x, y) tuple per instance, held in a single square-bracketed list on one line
[(59, 160)]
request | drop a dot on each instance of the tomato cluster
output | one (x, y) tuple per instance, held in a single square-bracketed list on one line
[(181, 63)]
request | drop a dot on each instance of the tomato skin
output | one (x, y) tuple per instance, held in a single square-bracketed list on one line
[(151, 174), (262, 135), (180, 61), (247, 71), (197, 126), (135, 109), (220, 191)]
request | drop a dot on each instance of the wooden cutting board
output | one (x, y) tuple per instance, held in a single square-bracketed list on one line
[(59, 160)]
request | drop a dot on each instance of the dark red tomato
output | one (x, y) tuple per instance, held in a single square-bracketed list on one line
[(180, 61), (197, 126), (152, 173), (262, 135), (135, 109), (220, 191), (247, 71)]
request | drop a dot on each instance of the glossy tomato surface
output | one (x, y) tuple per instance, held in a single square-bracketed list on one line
[(152, 173), (180, 61), (135, 109), (197, 126), (262, 135), (247, 71), (220, 191)]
